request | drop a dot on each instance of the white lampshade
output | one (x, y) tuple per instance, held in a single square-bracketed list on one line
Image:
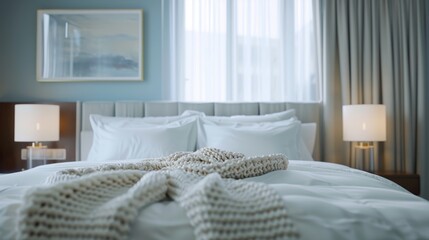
[(364, 123), (37, 123)]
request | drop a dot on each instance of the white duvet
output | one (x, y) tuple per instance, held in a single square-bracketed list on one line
[(324, 200)]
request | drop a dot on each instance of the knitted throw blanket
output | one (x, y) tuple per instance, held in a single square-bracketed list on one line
[(102, 202)]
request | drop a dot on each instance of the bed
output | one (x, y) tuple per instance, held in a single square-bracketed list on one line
[(312, 199)]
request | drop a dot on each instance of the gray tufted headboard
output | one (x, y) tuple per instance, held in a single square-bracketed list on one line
[(306, 112)]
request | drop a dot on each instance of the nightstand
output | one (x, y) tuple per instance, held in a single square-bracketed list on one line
[(42, 154), (411, 182)]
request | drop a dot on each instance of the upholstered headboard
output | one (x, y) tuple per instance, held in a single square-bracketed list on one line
[(306, 112)]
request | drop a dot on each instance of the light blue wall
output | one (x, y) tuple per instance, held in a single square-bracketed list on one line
[(18, 54)]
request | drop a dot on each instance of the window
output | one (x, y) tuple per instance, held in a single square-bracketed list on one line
[(242, 50)]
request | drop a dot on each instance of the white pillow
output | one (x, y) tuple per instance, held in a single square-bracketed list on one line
[(187, 113), (271, 117), (131, 138), (254, 138)]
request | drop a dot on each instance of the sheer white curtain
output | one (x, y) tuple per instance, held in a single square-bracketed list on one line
[(242, 50)]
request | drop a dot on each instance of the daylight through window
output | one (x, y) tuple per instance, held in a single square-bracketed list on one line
[(243, 50)]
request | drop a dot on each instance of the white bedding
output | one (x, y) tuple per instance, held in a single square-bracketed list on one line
[(324, 200)]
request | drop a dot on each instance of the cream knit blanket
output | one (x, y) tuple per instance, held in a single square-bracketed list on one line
[(102, 202)]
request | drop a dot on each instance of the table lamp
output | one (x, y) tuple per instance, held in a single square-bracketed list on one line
[(36, 123), (364, 124)]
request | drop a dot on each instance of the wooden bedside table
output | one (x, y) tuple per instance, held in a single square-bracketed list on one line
[(411, 182)]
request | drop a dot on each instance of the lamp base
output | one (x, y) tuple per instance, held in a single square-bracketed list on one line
[(30, 149), (37, 145), (40, 155), (363, 153)]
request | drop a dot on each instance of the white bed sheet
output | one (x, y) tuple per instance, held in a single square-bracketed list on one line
[(324, 200)]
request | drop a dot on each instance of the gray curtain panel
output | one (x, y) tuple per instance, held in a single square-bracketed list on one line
[(373, 52)]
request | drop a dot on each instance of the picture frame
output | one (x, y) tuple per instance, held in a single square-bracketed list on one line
[(89, 45)]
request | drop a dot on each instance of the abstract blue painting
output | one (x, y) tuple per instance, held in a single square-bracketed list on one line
[(89, 45)]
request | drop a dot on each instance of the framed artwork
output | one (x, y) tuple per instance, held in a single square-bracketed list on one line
[(89, 45)]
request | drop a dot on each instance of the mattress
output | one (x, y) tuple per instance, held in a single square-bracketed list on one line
[(324, 201)]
